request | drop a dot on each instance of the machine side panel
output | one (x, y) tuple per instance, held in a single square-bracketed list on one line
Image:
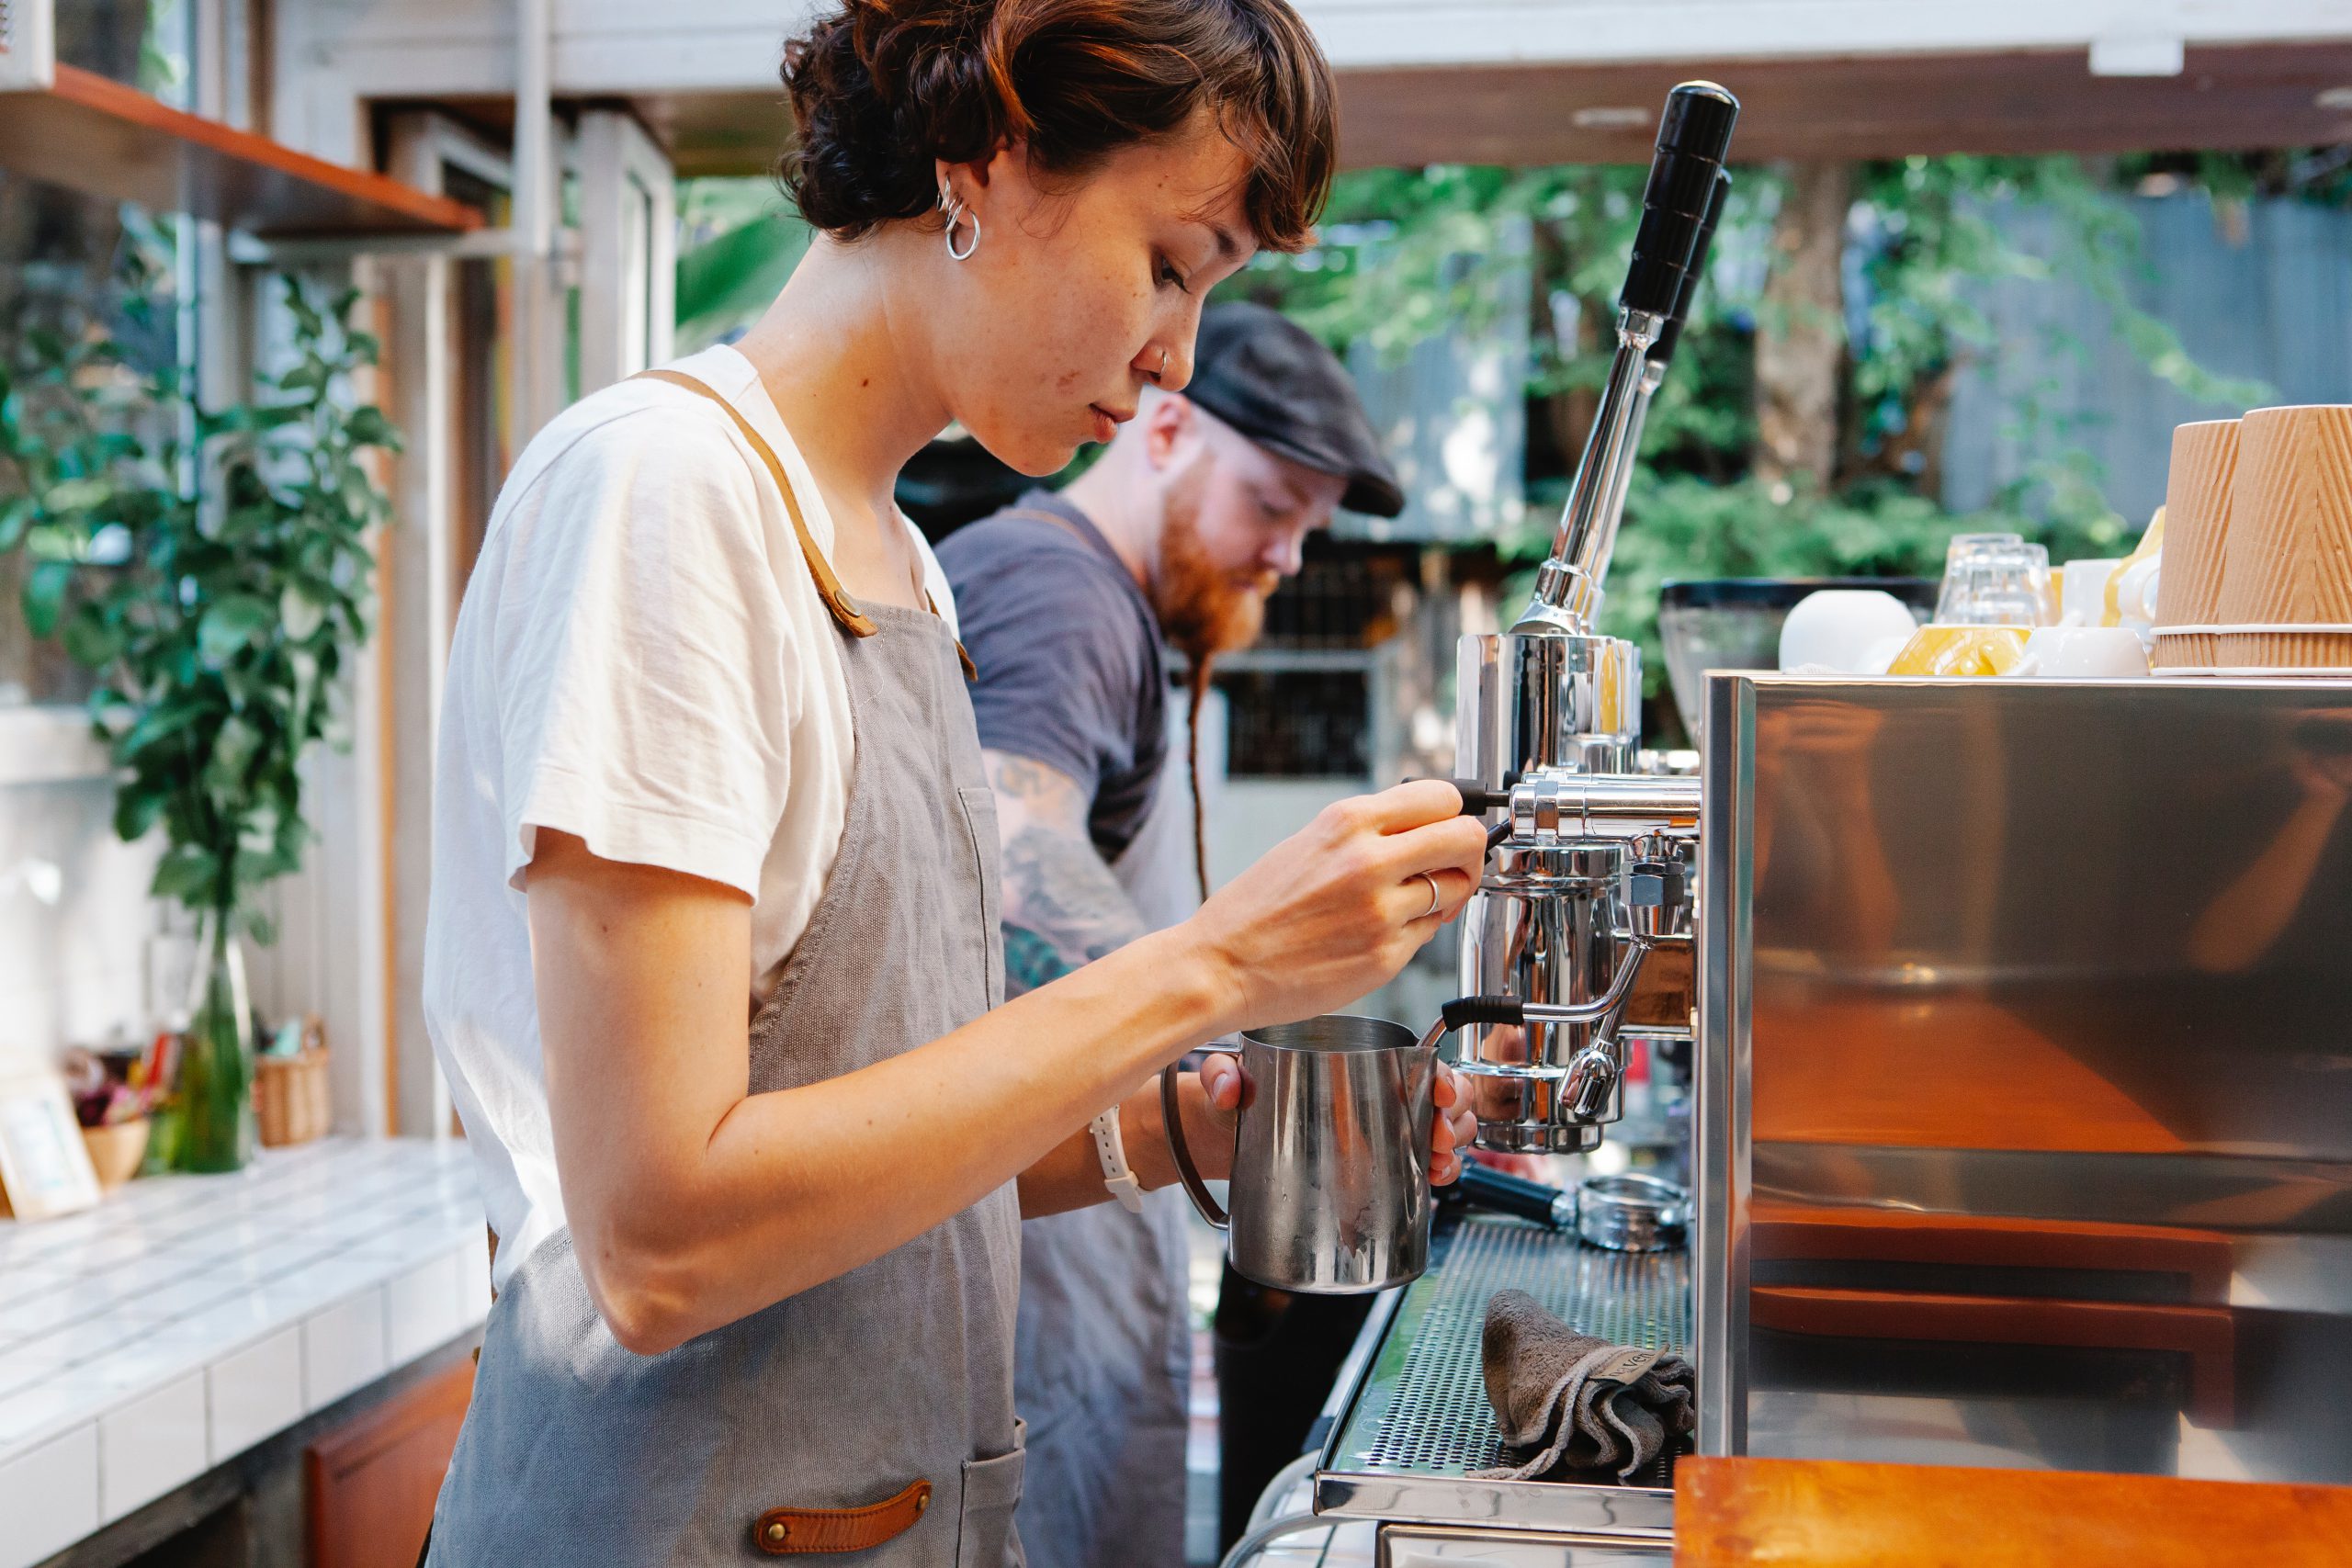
[(2044, 1000), (1719, 1159)]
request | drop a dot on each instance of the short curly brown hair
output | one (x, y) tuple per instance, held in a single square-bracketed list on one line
[(882, 88)]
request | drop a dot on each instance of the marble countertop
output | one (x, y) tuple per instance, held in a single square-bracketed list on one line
[(189, 1318)]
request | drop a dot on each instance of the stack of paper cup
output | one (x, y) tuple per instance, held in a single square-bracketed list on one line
[(2197, 529), (2288, 556)]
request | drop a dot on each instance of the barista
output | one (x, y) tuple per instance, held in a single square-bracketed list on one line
[(712, 947), (1177, 534)]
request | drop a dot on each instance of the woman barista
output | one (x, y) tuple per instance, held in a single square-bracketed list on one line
[(712, 945)]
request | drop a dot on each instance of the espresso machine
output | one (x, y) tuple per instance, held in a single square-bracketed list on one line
[(2016, 1013), (1581, 929), (1579, 935)]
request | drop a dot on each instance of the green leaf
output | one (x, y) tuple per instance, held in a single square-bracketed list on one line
[(171, 714), (136, 809), (44, 595), (16, 516), (91, 640), (728, 279), (231, 625), (188, 873), (369, 427), (233, 746), (305, 667), (76, 495), (307, 323)]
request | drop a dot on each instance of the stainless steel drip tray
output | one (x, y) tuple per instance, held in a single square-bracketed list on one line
[(1418, 1422)]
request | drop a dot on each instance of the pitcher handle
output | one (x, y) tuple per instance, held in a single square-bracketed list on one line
[(1171, 1114)]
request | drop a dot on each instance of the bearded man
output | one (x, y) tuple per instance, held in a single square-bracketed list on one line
[(1176, 535)]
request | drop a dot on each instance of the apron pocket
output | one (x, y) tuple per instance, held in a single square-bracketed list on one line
[(991, 1490), (980, 820)]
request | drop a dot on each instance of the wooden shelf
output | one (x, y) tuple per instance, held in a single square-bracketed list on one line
[(99, 136), (1840, 108), (1853, 107)]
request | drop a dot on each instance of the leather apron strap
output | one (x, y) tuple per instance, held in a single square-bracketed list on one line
[(844, 610), (845, 613)]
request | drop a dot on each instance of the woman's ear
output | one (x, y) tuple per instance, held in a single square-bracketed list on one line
[(1007, 163)]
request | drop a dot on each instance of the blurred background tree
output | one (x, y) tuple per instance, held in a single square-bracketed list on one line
[(1804, 429)]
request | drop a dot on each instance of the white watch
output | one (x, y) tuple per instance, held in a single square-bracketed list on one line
[(1112, 1150)]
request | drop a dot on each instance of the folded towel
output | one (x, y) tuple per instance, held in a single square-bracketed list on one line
[(1582, 1403)]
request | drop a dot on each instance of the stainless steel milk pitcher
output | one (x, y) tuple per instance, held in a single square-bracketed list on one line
[(1330, 1184)]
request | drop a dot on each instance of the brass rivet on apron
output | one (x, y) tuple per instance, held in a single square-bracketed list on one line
[(778, 1533), (922, 1502)]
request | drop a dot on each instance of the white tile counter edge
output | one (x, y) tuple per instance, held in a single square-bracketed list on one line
[(114, 1446)]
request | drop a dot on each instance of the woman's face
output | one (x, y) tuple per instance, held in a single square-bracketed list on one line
[(1047, 335)]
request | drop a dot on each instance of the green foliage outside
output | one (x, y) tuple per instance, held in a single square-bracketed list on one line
[(1411, 253), (738, 242), (210, 565), (1925, 233)]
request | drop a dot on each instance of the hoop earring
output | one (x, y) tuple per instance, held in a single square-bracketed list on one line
[(956, 214)]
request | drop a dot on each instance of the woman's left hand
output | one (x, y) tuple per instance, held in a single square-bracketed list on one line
[(1221, 1083)]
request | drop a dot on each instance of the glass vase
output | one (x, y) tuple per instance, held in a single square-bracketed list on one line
[(215, 1129)]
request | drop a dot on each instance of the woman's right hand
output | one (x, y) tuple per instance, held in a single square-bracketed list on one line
[(1336, 910)]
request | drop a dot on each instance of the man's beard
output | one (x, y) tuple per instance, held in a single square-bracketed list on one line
[(1203, 612)]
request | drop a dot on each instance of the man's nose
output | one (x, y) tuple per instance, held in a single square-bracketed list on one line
[(1286, 552)]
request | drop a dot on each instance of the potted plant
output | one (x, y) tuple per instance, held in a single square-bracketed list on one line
[(212, 565)]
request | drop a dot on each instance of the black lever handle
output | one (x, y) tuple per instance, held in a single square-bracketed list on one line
[(1477, 798), (1461, 1010), (1662, 351), (1692, 137)]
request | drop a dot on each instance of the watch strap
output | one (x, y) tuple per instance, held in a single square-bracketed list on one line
[(1112, 1150)]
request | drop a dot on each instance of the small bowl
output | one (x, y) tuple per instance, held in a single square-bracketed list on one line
[(116, 1150)]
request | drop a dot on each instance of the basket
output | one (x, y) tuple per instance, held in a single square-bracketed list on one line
[(291, 1099), (116, 1150)]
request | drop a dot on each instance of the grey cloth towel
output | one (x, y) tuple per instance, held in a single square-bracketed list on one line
[(1581, 1402)]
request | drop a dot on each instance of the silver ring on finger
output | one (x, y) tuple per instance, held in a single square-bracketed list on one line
[(1435, 897)]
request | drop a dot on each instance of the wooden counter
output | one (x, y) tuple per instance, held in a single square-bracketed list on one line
[(1739, 1513)]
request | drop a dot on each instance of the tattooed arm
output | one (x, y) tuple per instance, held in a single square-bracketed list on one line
[(1062, 906), (1063, 909)]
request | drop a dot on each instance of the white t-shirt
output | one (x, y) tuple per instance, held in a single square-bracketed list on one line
[(641, 660)]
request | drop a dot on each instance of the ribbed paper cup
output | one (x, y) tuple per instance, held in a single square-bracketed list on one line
[(2288, 557), (2197, 527)]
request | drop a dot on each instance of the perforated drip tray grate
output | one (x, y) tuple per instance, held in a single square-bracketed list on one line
[(1419, 1422)]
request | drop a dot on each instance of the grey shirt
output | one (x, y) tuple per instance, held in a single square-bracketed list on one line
[(1068, 647)]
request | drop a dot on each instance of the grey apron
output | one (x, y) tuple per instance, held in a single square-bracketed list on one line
[(577, 1451), (1103, 1369)]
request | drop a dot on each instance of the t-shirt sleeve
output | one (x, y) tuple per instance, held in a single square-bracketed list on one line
[(1059, 652), (644, 654)]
